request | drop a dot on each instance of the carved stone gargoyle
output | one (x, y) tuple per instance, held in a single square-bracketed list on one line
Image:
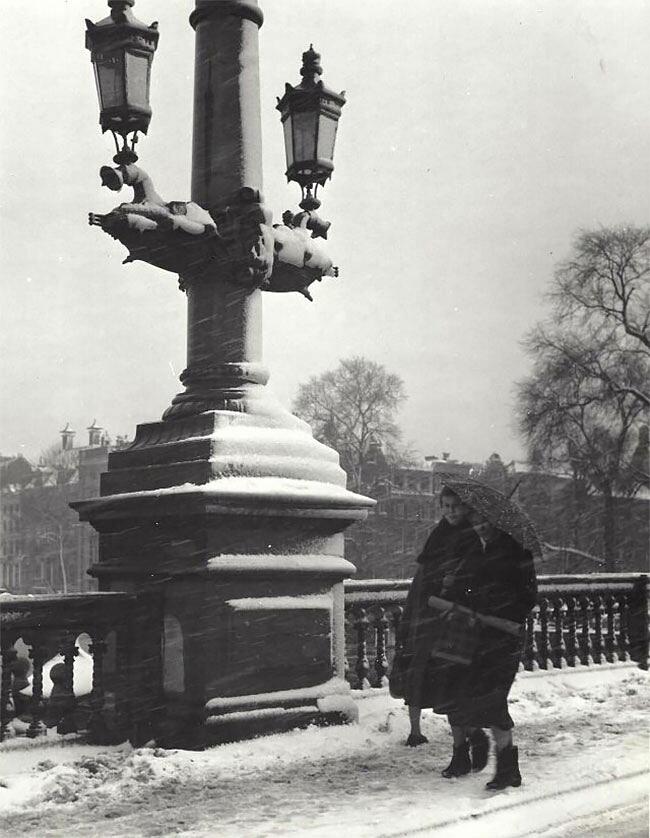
[(299, 260), (186, 239)]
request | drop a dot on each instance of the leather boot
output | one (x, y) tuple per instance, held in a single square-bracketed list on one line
[(480, 747), (415, 739), (460, 762), (507, 770)]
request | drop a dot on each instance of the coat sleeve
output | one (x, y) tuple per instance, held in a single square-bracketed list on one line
[(527, 585), (410, 606), (458, 585), (428, 544), (404, 627)]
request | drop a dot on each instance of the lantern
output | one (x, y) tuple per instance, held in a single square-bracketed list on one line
[(310, 113), (121, 49)]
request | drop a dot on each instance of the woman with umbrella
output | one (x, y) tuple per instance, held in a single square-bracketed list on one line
[(427, 682), (496, 580)]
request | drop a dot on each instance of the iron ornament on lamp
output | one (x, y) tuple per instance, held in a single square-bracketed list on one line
[(182, 236)]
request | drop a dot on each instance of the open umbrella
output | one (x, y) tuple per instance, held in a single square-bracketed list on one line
[(499, 509)]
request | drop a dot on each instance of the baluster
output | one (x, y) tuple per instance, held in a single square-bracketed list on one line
[(572, 641), (97, 725), (637, 622), (623, 628), (544, 660), (559, 647), (583, 641), (381, 661), (396, 617), (363, 666), (9, 655), (597, 648), (38, 655), (610, 638), (62, 704), (530, 642)]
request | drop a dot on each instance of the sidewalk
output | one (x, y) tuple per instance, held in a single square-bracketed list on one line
[(583, 736)]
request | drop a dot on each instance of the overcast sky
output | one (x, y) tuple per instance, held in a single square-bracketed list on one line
[(478, 136)]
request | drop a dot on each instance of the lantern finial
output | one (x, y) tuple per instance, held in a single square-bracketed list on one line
[(311, 67), (118, 8)]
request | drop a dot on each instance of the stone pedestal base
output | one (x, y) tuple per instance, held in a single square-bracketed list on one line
[(237, 520)]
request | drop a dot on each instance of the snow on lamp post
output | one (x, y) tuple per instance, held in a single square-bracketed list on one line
[(228, 505)]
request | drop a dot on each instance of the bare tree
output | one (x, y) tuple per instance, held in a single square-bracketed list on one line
[(62, 462), (584, 407), (352, 408), (601, 302), (571, 421)]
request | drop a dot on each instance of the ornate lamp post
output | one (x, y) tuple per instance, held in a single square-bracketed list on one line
[(122, 50), (310, 114), (228, 505)]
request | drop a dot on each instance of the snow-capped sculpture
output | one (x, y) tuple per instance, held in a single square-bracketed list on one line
[(185, 238), (299, 260)]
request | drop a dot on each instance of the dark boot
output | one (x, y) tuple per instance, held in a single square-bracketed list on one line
[(415, 739), (507, 770), (480, 746), (460, 762)]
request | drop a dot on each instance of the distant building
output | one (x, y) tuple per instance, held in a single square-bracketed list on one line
[(569, 520), (44, 548), (11, 564)]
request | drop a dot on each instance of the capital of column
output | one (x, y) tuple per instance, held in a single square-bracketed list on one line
[(205, 9)]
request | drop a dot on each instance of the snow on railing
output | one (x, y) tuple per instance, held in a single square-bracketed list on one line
[(579, 620), (80, 663)]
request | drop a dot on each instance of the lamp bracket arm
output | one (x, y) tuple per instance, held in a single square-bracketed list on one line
[(233, 242), (144, 192)]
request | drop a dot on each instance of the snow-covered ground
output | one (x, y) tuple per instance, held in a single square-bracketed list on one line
[(583, 738)]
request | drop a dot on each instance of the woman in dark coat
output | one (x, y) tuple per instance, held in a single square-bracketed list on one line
[(495, 579), (429, 682)]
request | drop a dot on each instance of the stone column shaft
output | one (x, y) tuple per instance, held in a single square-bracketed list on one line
[(227, 140), (224, 334)]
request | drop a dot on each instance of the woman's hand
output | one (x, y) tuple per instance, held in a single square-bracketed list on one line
[(446, 612)]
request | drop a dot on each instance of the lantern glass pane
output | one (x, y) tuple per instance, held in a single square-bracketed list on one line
[(137, 80), (304, 136), (326, 137), (110, 80), (288, 144)]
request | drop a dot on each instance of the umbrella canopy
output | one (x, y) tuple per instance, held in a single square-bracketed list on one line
[(497, 508)]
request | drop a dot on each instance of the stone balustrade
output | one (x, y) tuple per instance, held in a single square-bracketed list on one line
[(577, 621), (121, 633)]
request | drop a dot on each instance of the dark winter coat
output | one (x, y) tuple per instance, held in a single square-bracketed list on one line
[(497, 579), (445, 549)]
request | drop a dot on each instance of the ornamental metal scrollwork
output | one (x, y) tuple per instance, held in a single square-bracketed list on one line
[(238, 239)]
